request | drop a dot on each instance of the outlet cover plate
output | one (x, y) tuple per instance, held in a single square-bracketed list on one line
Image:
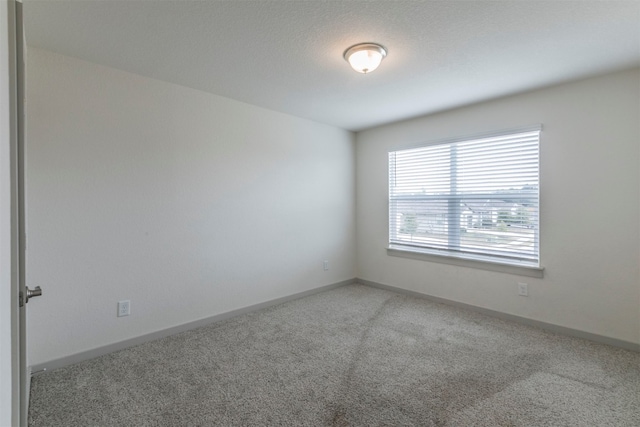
[(523, 289), (124, 308)]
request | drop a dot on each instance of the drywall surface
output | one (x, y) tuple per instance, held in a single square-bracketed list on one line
[(589, 231), (185, 203)]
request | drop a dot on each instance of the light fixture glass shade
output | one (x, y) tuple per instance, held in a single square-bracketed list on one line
[(365, 57)]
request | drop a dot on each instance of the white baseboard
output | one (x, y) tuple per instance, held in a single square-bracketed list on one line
[(627, 345), (121, 345), (100, 351)]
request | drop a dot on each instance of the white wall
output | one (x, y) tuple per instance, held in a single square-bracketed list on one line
[(191, 205), (589, 241), (186, 203)]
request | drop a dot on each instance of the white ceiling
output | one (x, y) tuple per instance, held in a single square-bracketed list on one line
[(287, 55)]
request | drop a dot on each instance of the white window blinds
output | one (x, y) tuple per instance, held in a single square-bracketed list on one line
[(475, 198)]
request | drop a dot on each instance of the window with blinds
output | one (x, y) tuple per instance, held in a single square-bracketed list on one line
[(474, 198)]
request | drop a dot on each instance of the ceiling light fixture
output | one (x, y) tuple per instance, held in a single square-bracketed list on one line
[(365, 57)]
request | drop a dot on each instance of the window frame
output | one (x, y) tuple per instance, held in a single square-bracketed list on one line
[(447, 255)]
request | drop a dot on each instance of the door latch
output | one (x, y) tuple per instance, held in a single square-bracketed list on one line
[(30, 293)]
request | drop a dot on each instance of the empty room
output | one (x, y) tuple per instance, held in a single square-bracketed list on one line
[(320, 213)]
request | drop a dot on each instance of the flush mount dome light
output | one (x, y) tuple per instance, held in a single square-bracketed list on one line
[(365, 57)]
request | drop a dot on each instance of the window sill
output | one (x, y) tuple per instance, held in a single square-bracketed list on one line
[(520, 270)]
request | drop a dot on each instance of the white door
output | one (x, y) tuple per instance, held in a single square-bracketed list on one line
[(11, 349), (24, 293), (10, 395)]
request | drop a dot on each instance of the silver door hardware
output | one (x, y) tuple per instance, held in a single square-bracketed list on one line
[(33, 293), (30, 293)]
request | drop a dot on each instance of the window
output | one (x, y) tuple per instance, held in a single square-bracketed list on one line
[(473, 198)]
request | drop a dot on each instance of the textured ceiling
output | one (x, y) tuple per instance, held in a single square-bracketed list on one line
[(287, 55)]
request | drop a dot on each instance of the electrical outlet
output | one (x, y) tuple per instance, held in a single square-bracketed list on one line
[(325, 265), (523, 289), (124, 308)]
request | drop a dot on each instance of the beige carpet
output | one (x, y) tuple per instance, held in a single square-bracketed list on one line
[(353, 356)]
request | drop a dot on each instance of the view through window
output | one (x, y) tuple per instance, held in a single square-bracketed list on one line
[(474, 198)]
